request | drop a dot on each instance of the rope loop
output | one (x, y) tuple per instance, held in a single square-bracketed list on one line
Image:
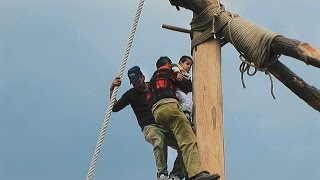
[(246, 65)]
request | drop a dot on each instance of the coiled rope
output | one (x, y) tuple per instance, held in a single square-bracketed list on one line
[(114, 93), (251, 41)]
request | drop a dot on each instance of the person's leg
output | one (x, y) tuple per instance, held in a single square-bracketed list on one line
[(178, 171), (186, 104), (171, 116), (157, 139)]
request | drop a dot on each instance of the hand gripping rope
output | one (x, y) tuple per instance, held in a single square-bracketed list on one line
[(114, 93)]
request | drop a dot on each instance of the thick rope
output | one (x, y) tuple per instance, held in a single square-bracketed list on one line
[(251, 41), (114, 93)]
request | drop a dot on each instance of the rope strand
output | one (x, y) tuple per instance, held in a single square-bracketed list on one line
[(251, 41), (114, 93)]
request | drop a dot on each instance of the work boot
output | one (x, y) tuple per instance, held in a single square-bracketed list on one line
[(205, 176), (163, 177)]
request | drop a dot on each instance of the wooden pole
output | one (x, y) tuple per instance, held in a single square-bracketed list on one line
[(208, 110)]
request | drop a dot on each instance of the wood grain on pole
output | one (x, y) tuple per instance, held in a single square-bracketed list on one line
[(208, 109)]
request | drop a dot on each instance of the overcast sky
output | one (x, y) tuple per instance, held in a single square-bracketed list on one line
[(58, 58)]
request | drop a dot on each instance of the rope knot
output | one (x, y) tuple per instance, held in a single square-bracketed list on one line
[(205, 23)]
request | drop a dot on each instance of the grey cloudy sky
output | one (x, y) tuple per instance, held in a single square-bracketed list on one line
[(58, 58)]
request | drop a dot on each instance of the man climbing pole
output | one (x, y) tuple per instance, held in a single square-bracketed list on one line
[(167, 112), (153, 133)]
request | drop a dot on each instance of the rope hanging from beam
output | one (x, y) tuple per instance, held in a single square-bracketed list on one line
[(114, 93), (251, 41)]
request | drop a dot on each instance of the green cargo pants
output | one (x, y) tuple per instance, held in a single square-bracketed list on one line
[(170, 116)]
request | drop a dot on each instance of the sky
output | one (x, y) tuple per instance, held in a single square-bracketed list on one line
[(59, 57)]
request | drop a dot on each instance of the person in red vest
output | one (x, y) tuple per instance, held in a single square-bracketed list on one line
[(168, 113)]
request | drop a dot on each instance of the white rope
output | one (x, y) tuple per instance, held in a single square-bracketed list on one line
[(114, 93)]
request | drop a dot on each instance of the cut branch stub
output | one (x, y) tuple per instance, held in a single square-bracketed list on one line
[(309, 94)]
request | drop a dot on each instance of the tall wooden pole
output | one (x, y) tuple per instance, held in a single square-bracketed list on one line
[(207, 97)]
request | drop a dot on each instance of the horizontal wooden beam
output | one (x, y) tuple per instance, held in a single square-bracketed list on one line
[(178, 29)]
